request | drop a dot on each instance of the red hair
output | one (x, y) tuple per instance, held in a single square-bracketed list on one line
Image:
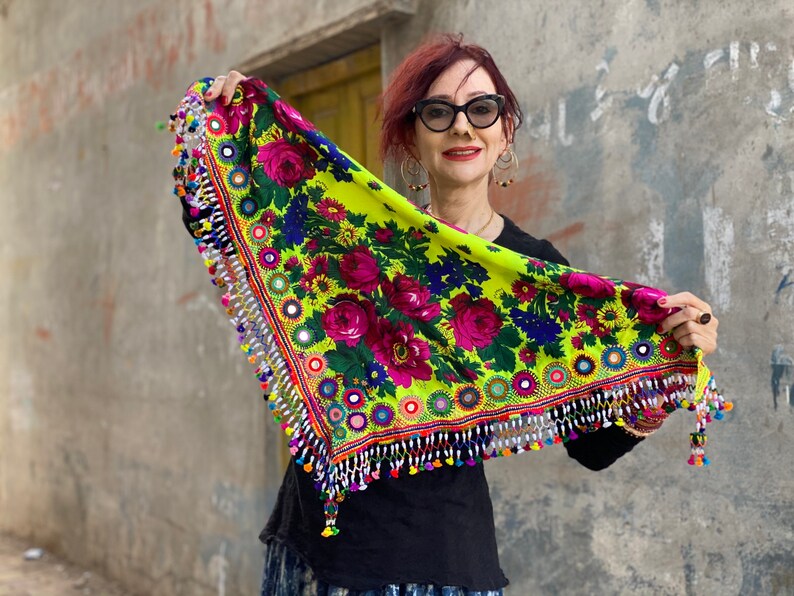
[(413, 77)]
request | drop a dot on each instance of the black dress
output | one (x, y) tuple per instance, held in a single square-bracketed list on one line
[(428, 528)]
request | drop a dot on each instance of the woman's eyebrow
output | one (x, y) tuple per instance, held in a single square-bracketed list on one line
[(449, 97)]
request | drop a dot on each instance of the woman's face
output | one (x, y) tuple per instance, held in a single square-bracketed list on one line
[(462, 155)]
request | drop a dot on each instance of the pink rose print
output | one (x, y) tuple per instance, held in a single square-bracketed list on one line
[(241, 108), (475, 324), (410, 298), (360, 270), (643, 300), (286, 164), (536, 263), (584, 284), (348, 320), (290, 118), (384, 235), (404, 355)]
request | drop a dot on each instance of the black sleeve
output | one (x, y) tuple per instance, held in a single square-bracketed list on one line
[(600, 449), (551, 254), (189, 221), (595, 450)]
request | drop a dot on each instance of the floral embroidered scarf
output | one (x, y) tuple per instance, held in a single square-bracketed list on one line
[(390, 343)]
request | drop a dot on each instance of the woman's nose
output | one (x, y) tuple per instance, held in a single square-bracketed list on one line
[(460, 125)]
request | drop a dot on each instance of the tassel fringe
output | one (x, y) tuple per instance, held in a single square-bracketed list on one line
[(521, 432)]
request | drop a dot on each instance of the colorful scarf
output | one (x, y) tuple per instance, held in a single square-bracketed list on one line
[(388, 342)]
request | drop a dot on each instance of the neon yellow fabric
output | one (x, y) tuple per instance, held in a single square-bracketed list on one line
[(390, 342)]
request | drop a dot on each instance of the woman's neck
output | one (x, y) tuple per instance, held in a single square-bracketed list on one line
[(466, 207)]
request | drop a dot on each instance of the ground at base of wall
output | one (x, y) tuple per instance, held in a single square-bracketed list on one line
[(46, 576)]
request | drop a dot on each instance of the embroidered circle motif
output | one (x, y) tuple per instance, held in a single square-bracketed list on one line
[(269, 257), (382, 415), (278, 283), (670, 348), (292, 309), (411, 407), (439, 403), (524, 383), (468, 397), (336, 413), (556, 375), (216, 124), (303, 335), (584, 365), (497, 388), (227, 151), (248, 207), (354, 398), (614, 358), (642, 351), (328, 388), (340, 432), (238, 178), (259, 233), (357, 421), (315, 364)]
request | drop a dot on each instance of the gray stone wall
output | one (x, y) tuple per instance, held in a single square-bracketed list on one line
[(657, 147), (133, 436)]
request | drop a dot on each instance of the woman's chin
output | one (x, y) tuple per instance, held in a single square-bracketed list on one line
[(461, 179)]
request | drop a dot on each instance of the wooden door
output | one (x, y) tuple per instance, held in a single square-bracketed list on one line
[(340, 98)]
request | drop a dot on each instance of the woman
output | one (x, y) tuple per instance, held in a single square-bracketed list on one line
[(449, 113)]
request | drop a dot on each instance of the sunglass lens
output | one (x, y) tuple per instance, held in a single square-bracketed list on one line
[(437, 116), (483, 113)]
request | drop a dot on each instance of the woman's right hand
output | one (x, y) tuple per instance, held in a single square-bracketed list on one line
[(224, 86)]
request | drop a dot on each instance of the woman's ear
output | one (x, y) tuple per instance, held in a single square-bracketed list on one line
[(410, 150), (507, 133)]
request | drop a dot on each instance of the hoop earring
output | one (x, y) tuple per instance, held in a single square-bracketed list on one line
[(413, 169), (503, 165)]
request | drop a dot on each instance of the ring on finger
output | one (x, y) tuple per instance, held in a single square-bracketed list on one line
[(703, 317)]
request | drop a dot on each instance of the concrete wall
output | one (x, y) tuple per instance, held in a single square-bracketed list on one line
[(132, 437), (658, 147)]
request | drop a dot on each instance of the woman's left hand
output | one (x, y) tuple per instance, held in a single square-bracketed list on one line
[(685, 323)]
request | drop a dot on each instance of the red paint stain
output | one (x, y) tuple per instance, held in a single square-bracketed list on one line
[(215, 36), (564, 234), (43, 334), (150, 47), (185, 298), (108, 305), (531, 197)]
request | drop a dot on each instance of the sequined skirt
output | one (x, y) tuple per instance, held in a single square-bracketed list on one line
[(287, 575)]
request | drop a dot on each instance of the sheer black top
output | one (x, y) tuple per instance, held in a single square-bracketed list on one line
[(428, 528)]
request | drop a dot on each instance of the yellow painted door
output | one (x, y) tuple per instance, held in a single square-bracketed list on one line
[(340, 98)]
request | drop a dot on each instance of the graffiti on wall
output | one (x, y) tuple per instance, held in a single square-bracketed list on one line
[(551, 123), (782, 376)]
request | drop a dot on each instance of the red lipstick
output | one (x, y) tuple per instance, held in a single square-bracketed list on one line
[(462, 153)]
